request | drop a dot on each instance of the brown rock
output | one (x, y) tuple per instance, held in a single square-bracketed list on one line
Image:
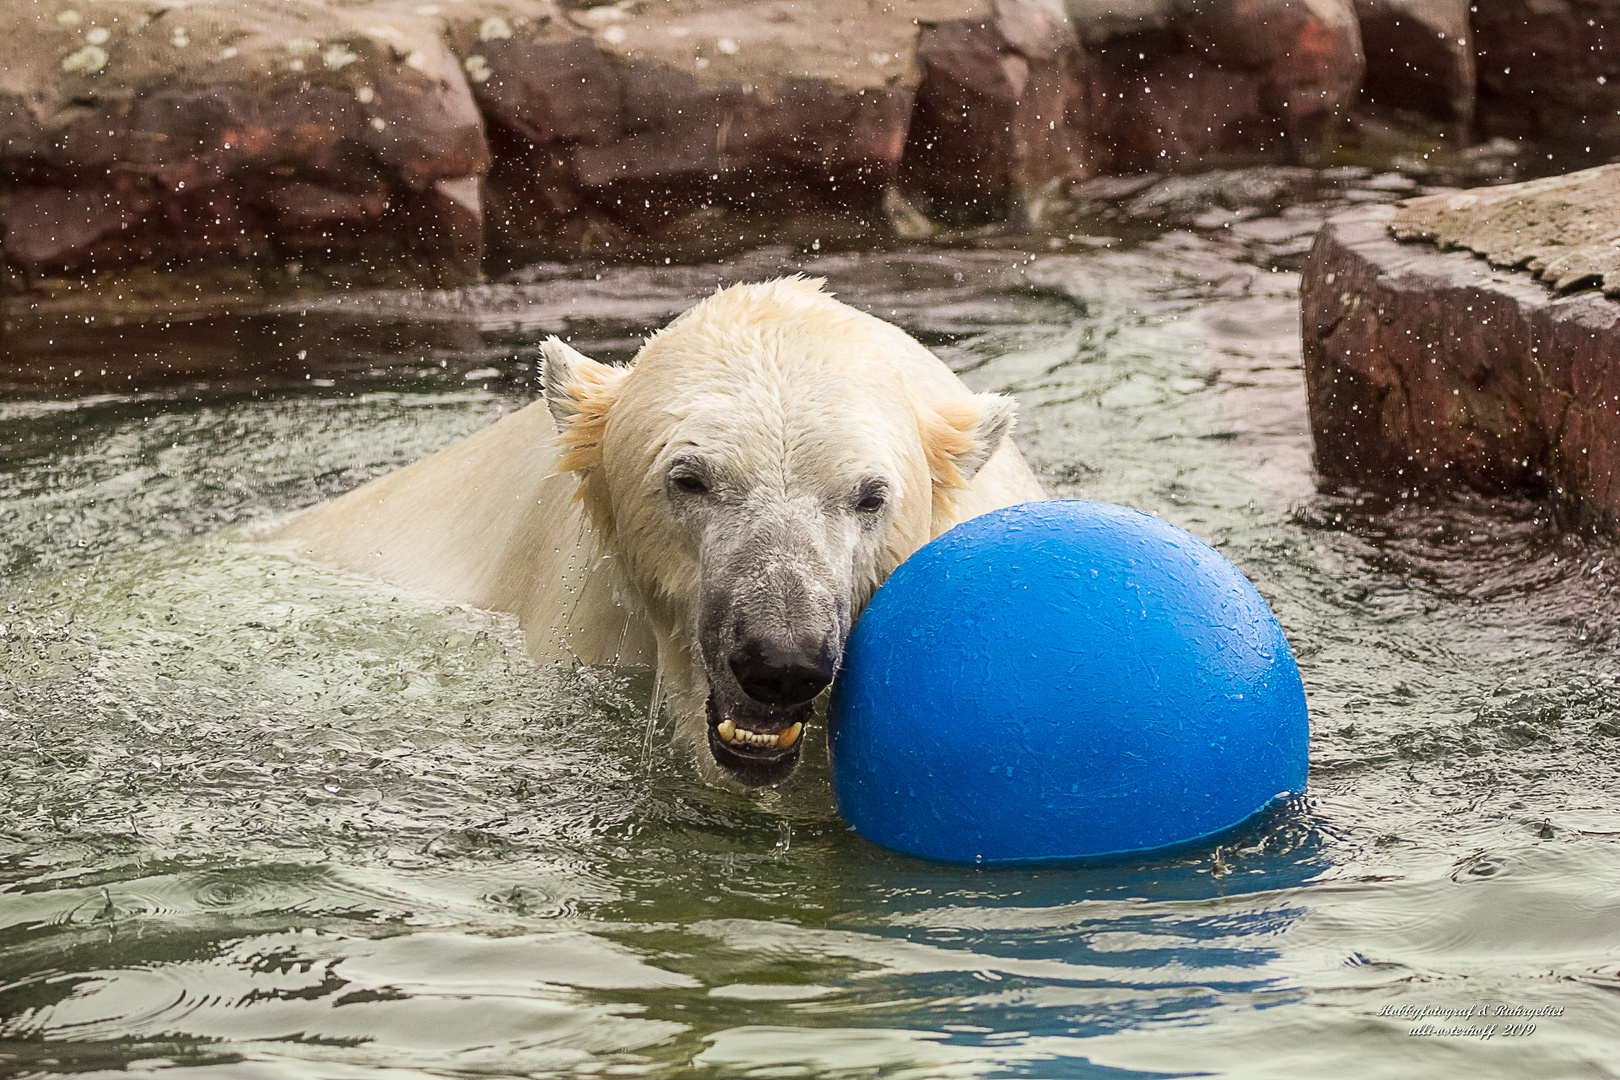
[(1039, 29), (1176, 86), (1427, 368), (356, 130), (694, 142), (320, 129), (995, 117), (771, 105), (302, 205), (549, 87), (615, 124), (753, 102), (224, 129), (1563, 229), (49, 224), (448, 230), (1549, 68), (1177, 112), (128, 220), (1420, 56), (536, 208)]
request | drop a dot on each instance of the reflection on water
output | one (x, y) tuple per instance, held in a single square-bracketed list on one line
[(258, 819)]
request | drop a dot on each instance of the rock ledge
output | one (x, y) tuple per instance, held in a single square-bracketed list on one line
[(1563, 229), (1428, 369)]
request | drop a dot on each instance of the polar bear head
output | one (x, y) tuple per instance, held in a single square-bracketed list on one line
[(757, 473)]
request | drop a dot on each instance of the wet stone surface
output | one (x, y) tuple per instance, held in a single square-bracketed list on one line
[(294, 147), (1420, 56), (1563, 229), (1435, 369), (387, 143)]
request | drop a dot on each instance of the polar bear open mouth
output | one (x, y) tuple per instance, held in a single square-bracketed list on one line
[(758, 744)]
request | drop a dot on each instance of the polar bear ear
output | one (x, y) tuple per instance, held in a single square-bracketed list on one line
[(580, 393), (960, 435)]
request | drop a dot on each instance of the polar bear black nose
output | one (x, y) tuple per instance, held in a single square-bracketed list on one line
[(779, 676)]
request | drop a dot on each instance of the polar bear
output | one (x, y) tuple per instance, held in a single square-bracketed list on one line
[(721, 508)]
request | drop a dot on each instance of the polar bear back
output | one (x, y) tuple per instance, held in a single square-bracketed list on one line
[(488, 522)]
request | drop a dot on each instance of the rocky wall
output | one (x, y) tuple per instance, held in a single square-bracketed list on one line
[(273, 142), (1420, 56), (388, 141), (1176, 86), (132, 133), (1549, 68)]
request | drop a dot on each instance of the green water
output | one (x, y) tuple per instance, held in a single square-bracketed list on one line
[(258, 819)]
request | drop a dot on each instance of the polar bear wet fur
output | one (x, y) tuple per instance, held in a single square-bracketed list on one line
[(723, 507)]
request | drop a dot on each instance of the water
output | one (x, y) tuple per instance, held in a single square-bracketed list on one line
[(258, 819)]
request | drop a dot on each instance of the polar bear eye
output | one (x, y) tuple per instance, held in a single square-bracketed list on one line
[(690, 484), (872, 498)]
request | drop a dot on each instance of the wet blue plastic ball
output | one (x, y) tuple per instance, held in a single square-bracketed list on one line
[(1064, 681)]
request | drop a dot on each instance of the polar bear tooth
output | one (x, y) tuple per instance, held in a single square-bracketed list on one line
[(782, 740)]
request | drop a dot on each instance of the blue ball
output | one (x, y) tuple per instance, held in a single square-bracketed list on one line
[(1064, 681)]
